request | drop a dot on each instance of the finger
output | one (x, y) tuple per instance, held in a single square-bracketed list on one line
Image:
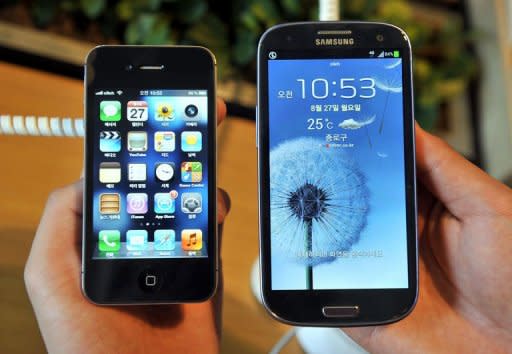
[(462, 187), (425, 203), (221, 110), (58, 234), (63, 209), (362, 336), (223, 205)]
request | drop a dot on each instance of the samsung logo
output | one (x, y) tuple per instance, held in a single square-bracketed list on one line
[(334, 41)]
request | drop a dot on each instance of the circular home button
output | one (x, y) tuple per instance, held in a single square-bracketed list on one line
[(149, 280)]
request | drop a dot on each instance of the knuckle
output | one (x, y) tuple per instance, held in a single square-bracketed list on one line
[(56, 197), (68, 195), (224, 199), (30, 277), (223, 204)]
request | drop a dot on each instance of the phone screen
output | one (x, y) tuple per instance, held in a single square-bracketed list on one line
[(337, 175), (150, 173)]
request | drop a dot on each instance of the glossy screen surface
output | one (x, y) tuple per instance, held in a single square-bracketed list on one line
[(337, 180), (150, 173)]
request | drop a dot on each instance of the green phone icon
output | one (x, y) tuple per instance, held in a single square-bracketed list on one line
[(110, 240), (110, 111)]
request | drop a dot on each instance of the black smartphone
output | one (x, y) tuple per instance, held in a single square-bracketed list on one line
[(149, 220), (337, 204)]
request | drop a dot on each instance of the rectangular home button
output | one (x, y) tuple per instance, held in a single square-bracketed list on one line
[(340, 311)]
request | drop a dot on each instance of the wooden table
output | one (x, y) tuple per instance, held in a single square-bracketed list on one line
[(32, 166)]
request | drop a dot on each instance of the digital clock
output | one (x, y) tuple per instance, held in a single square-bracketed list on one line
[(318, 88)]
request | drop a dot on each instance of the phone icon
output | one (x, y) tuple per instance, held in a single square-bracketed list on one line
[(109, 240), (191, 240)]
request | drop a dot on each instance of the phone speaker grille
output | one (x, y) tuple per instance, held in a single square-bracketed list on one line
[(151, 67), (331, 32)]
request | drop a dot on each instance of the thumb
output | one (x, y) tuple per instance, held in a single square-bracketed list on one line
[(462, 187)]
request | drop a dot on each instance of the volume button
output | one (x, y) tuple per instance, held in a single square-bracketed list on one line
[(257, 127)]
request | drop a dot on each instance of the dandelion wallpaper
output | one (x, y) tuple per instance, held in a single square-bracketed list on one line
[(337, 182)]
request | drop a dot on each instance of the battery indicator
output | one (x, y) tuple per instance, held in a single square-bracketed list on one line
[(396, 54)]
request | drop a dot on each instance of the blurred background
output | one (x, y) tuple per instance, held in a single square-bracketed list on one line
[(463, 93)]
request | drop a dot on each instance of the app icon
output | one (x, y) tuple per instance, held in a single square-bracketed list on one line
[(191, 171), (137, 203), (164, 112), (165, 240), (110, 141), (137, 111), (110, 203), (110, 172), (136, 240), (137, 172), (191, 239), (191, 112), (165, 141), (137, 141), (191, 141), (164, 203), (109, 240), (164, 172), (191, 203), (110, 111)]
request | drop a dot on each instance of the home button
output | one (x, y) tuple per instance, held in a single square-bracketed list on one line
[(341, 311), (150, 280)]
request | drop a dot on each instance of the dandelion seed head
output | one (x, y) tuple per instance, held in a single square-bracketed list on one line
[(317, 188), (308, 202)]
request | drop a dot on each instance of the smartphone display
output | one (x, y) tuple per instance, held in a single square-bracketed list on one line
[(149, 198), (151, 173), (337, 186), (336, 171)]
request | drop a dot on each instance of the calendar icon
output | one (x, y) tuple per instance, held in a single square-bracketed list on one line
[(137, 111)]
